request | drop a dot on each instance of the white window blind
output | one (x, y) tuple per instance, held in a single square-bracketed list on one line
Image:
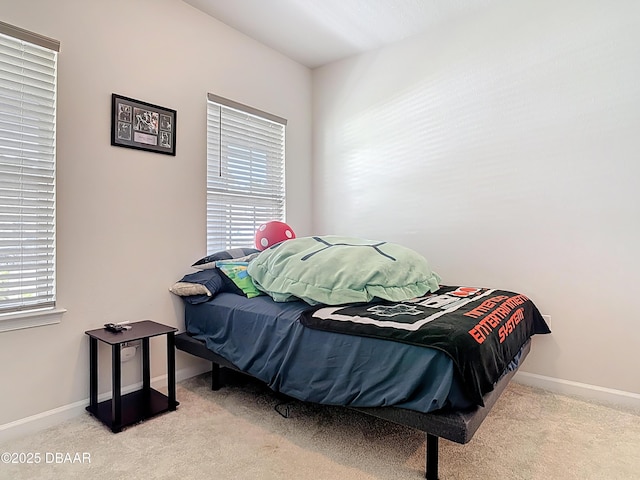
[(245, 172), (28, 73)]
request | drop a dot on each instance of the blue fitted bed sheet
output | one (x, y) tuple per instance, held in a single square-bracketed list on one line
[(266, 340)]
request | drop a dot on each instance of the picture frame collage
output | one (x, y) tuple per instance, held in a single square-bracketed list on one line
[(143, 126)]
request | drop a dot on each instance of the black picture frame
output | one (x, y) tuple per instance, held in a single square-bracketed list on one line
[(143, 126)]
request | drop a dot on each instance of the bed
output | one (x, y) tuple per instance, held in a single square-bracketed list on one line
[(371, 354)]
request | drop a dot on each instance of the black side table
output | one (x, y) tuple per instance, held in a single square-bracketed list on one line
[(124, 410)]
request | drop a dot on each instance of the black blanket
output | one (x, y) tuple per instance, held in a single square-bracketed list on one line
[(481, 329)]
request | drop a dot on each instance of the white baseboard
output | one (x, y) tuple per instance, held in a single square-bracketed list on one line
[(40, 421), (592, 393)]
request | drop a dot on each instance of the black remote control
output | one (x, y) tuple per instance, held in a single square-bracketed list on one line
[(112, 327)]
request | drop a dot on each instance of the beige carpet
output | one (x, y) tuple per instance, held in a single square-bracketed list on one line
[(235, 433)]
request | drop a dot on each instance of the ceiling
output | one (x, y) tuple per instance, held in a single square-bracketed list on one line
[(317, 32)]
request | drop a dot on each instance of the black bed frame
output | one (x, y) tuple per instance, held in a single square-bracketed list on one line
[(456, 426)]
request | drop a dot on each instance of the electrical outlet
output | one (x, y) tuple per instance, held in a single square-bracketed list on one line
[(547, 318), (127, 352)]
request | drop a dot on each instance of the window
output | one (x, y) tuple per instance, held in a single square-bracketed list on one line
[(245, 172), (28, 73)]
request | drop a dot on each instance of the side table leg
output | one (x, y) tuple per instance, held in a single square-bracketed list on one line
[(146, 378), (146, 368), (93, 375), (171, 370), (116, 401)]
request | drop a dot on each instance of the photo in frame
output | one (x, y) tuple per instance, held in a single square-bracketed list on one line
[(141, 125)]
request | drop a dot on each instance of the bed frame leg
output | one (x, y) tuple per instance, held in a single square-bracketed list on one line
[(216, 379), (432, 457)]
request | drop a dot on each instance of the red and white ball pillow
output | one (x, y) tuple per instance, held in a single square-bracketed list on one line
[(270, 233)]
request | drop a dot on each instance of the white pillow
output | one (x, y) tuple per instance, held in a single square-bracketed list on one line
[(186, 289)]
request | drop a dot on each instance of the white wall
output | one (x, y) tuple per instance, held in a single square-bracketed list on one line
[(129, 222), (503, 146)]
